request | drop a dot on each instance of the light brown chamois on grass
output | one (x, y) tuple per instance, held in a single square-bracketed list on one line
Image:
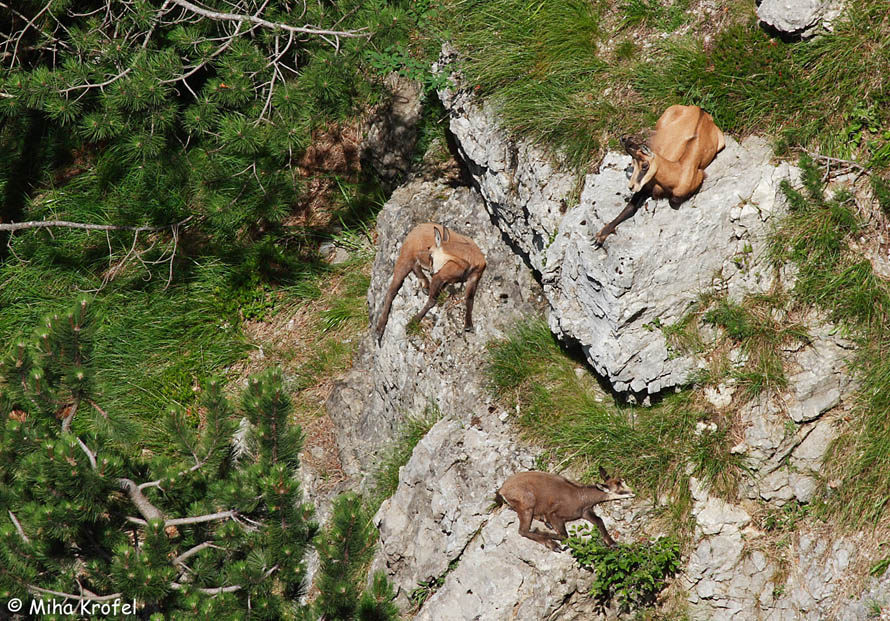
[(672, 166), (555, 500), (448, 257)]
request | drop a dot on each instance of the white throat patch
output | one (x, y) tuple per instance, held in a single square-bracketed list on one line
[(439, 258)]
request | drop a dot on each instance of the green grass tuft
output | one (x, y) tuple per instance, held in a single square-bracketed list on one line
[(413, 429), (815, 237)]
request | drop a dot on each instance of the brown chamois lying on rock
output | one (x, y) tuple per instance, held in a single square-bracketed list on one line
[(686, 140), (447, 256), (555, 500)]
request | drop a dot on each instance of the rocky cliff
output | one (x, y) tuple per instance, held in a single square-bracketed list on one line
[(447, 554)]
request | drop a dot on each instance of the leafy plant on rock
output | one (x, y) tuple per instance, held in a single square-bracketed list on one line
[(633, 574)]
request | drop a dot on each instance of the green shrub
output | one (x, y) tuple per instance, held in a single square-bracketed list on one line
[(633, 574)]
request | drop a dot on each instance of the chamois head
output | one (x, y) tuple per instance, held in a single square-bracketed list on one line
[(438, 257), (644, 164), (613, 486)]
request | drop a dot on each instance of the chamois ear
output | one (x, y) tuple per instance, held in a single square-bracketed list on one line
[(603, 473), (645, 150), (446, 234), (438, 236)]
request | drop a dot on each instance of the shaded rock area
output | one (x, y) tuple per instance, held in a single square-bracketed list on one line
[(609, 298), (391, 133), (803, 18), (441, 366)]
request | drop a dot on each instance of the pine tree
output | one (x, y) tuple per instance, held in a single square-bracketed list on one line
[(345, 550), (87, 515), (199, 111)]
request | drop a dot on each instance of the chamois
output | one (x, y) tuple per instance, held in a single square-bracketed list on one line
[(686, 140), (555, 500), (447, 256)]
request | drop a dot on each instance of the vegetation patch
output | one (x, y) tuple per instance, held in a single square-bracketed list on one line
[(548, 68), (815, 238), (633, 575), (345, 551)]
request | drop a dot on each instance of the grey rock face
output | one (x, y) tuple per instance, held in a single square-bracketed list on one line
[(405, 374), (799, 17), (609, 298), (786, 435), (439, 524)]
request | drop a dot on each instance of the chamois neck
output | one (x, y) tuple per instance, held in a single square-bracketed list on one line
[(671, 174), (590, 494)]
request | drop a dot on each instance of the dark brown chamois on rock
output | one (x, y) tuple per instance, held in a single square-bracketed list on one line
[(555, 500)]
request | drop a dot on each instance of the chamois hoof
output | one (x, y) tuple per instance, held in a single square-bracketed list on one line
[(554, 545)]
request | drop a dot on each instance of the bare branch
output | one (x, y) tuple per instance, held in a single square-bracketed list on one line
[(25, 29), (834, 160), (178, 474), (222, 515), (214, 591), (233, 17), (18, 527), (90, 455), (148, 510), (210, 517), (39, 224), (66, 423), (180, 560), (176, 586), (90, 598)]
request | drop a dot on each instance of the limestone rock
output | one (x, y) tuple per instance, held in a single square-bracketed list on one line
[(403, 375), (611, 299), (440, 525), (787, 435), (799, 17)]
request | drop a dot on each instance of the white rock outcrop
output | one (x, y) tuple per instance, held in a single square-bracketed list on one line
[(799, 17), (612, 299)]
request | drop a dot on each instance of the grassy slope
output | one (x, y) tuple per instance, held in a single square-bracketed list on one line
[(576, 75)]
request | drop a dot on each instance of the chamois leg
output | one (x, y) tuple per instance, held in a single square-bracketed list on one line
[(449, 273), (559, 525), (472, 283), (629, 210), (397, 279), (525, 522), (593, 518), (424, 281)]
